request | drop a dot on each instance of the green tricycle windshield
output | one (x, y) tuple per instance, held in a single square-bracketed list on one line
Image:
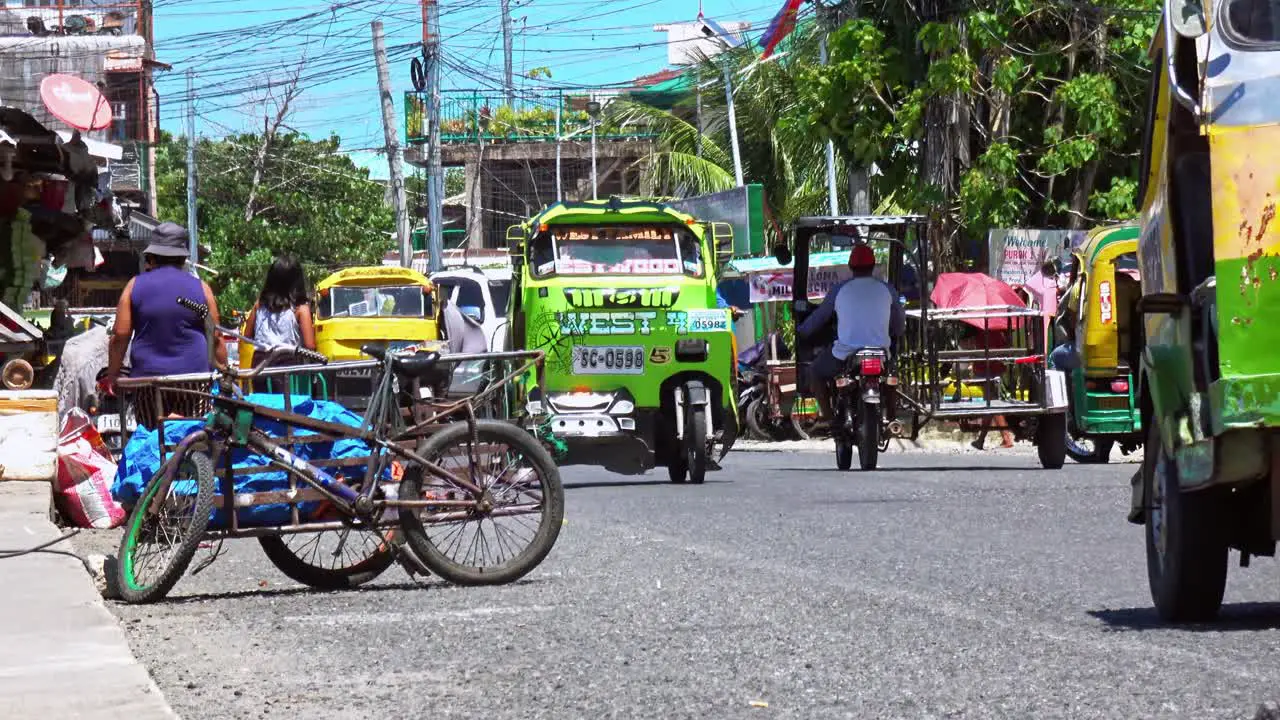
[(569, 250)]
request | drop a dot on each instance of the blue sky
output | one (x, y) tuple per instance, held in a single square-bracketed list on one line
[(237, 48)]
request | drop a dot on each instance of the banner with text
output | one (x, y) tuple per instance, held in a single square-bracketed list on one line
[(1016, 254), (775, 285)]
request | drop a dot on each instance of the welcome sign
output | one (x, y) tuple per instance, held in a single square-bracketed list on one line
[(1016, 254)]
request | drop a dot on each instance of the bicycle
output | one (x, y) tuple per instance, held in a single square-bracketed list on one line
[(461, 476)]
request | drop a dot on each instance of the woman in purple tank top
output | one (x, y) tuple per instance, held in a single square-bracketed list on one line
[(168, 339)]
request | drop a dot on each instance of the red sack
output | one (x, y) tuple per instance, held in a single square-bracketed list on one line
[(85, 475)]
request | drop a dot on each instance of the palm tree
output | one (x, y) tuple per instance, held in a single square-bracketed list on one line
[(779, 149)]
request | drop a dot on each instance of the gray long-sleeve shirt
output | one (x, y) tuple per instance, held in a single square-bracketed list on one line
[(867, 314)]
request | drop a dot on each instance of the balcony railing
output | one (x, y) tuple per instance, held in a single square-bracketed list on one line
[(131, 172), (468, 117), (72, 17)]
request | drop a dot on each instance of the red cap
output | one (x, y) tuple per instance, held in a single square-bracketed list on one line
[(862, 256)]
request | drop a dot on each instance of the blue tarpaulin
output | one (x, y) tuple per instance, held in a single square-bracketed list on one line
[(141, 459)]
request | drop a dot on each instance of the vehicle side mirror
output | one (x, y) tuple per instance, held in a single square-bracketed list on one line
[(1184, 18), (722, 239), (1187, 18), (782, 254)]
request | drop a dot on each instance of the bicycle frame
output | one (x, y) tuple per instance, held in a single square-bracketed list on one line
[(383, 411)]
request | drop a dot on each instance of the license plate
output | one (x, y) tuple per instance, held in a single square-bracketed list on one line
[(107, 423), (708, 320), (607, 360), (1115, 402)]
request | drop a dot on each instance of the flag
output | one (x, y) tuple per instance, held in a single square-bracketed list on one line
[(780, 27)]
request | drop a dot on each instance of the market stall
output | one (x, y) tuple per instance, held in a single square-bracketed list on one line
[(48, 199)]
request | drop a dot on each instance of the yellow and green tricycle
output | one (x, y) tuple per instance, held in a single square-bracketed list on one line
[(1096, 349)]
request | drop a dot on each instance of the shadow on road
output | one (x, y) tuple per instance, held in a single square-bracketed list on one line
[(913, 469), (651, 482), (1238, 617), (434, 584)]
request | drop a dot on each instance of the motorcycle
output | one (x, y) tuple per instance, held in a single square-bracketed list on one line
[(860, 417)]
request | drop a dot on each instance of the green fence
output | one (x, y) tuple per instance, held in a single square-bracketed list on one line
[(467, 117), (452, 239)]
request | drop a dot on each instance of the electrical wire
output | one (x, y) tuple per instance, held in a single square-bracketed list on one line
[(44, 548)]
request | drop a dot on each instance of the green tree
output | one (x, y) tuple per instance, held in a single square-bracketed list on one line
[(994, 113), (309, 200)]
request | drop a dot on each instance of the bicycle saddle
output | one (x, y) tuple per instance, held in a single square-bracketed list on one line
[(417, 365)]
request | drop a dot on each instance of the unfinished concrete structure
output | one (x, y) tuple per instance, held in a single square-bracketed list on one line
[(508, 153)]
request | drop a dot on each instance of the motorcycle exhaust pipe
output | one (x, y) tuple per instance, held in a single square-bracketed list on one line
[(894, 428)]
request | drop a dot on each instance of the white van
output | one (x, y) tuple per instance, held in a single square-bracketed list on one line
[(481, 293)]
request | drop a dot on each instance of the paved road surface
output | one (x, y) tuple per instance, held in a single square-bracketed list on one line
[(940, 586)]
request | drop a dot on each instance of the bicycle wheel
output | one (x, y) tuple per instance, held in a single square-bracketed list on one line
[(493, 546), (160, 541), (329, 560)]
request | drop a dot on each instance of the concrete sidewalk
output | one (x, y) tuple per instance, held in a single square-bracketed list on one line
[(62, 655)]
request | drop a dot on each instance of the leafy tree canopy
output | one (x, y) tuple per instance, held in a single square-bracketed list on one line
[(309, 200), (1043, 107)]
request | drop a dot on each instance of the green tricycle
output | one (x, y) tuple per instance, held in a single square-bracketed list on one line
[(1098, 320), (640, 362)]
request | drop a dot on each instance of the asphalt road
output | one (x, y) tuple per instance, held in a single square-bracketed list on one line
[(939, 586)]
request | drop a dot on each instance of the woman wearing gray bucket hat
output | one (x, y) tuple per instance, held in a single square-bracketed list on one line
[(168, 339)]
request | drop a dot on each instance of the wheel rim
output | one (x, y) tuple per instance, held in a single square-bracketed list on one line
[(1156, 515), (1078, 446), (510, 483), (157, 536), (335, 550)]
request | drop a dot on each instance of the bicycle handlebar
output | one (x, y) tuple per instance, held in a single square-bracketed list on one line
[(275, 353)]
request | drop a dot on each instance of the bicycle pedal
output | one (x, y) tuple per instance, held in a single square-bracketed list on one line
[(410, 562)]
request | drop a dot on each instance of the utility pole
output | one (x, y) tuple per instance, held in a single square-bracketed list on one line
[(832, 198), (698, 109), (435, 173), (392, 132), (559, 139), (193, 230), (733, 122), (508, 81)]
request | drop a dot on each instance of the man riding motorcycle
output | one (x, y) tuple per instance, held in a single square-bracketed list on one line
[(866, 313)]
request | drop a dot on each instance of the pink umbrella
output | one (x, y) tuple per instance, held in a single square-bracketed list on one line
[(975, 290)]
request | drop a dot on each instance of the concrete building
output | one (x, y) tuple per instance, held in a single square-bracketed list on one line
[(107, 42), (689, 42)]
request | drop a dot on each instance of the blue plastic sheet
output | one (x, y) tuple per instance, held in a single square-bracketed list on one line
[(141, 459)]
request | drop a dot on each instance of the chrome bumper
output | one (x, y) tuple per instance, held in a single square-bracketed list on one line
[(590, 425)]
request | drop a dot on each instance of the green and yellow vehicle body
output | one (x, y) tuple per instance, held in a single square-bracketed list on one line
[(1103, 392), (619, 345), (1211, 359)]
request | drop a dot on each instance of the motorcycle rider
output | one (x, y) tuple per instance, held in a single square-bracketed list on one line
[(866, 313)]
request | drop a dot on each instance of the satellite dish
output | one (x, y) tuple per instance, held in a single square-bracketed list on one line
[(76, 102)]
